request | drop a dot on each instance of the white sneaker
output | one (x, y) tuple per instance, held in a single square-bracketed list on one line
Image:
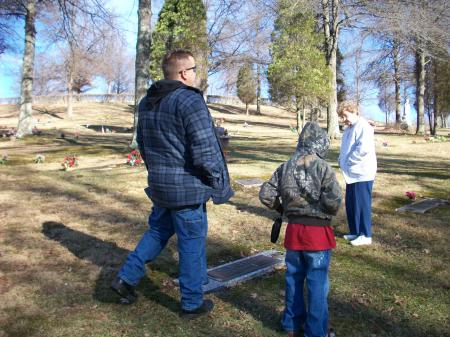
[(350, 237), (361, 240)]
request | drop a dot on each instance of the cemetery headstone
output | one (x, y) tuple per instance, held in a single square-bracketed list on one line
[(250, 182), (422, 206)]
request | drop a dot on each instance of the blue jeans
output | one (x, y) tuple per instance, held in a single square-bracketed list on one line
[(358, 205), (190, 224), (312, 266)]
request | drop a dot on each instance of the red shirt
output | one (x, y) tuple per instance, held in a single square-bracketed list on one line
[(304, 237)]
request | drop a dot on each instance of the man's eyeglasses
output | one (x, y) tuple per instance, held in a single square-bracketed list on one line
[(194, 69)]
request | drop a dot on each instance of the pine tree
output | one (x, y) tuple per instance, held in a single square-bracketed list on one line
[(298, 75), (181, 25), (246, 85)]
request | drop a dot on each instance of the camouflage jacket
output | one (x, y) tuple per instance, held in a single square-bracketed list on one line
[(305, 187)]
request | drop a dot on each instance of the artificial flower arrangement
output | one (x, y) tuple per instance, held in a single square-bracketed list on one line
[(69, 162), (40, 158), (134, 158), (3, 159), (411, 195)]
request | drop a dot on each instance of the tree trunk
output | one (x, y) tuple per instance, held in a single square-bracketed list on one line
[(332, 117), (246, 109), (202, 71), (314, 114), (142, 65), (69, 108), (436, 113), (303, 116), (330, 27), (298, 115), (26, 123), (420, 90), (258, 89), (397, 83)]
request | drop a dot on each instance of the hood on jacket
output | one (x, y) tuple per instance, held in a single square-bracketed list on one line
[(161, 89), (313, 140)]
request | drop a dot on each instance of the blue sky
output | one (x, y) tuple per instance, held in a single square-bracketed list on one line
[(10, 63)]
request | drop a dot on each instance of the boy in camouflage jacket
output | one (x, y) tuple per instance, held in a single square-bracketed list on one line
[(306, 191)]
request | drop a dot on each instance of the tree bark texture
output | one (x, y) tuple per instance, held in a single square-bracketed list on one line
[(397, 83), (69, 108), (142, 65), (330, 27), (258, 89), (435, 112), (420, 90), (26, 123)]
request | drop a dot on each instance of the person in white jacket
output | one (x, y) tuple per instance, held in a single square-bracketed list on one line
[(358, 163)]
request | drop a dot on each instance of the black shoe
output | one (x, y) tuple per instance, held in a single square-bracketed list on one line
[(204, 309), (125, 291), (331, 333)]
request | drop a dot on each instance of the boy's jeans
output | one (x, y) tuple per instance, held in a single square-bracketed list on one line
[(312, 266), (191, 225)]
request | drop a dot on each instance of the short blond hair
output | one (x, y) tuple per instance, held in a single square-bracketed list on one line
[(350, 106)]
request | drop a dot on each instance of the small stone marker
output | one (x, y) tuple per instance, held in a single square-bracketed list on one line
[(235, 272), (422, 206), (249, 182)]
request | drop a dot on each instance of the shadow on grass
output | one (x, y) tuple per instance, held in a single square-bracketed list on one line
[(351, 318), (241, 112), (111, 128), (256, 210), (106, 255), (44, 111), (392, 164), (109, 257)]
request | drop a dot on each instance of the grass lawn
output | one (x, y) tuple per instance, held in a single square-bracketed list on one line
[(63, 235)]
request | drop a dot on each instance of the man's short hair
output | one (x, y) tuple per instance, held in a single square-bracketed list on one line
[(171, 59), (350, 106)]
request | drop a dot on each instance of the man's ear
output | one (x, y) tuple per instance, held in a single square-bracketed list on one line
[(183, 75)]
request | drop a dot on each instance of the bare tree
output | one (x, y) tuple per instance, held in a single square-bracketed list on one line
[(420, 25), (331, 26), (386, 97), (25, 124), (31, 10), (238, 32), (142, 65), (116, 66), (79, 41), (22, 9)]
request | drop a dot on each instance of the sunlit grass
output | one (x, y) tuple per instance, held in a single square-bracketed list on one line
[(63, 235)]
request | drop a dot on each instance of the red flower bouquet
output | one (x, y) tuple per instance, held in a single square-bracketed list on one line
[(134, 158), (69, 162)]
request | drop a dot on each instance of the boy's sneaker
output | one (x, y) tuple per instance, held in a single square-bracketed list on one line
[(331, 333), (204, 309), (350, 237), (125, 291), (361, 241)]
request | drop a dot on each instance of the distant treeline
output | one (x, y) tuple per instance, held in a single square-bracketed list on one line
[(122, 98)]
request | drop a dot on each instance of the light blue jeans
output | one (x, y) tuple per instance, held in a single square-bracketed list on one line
[(190, 224), (313, 267)]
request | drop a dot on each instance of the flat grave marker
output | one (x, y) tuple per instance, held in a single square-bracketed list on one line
[(422, 206), (254, 182), (241, 270)]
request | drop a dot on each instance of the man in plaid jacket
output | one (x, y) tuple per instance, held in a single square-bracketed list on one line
[(186, 168)]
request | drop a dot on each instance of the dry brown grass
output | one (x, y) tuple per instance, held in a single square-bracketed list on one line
[(63, 236)]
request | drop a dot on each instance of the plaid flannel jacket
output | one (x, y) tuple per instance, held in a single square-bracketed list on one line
[(182, 152)]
